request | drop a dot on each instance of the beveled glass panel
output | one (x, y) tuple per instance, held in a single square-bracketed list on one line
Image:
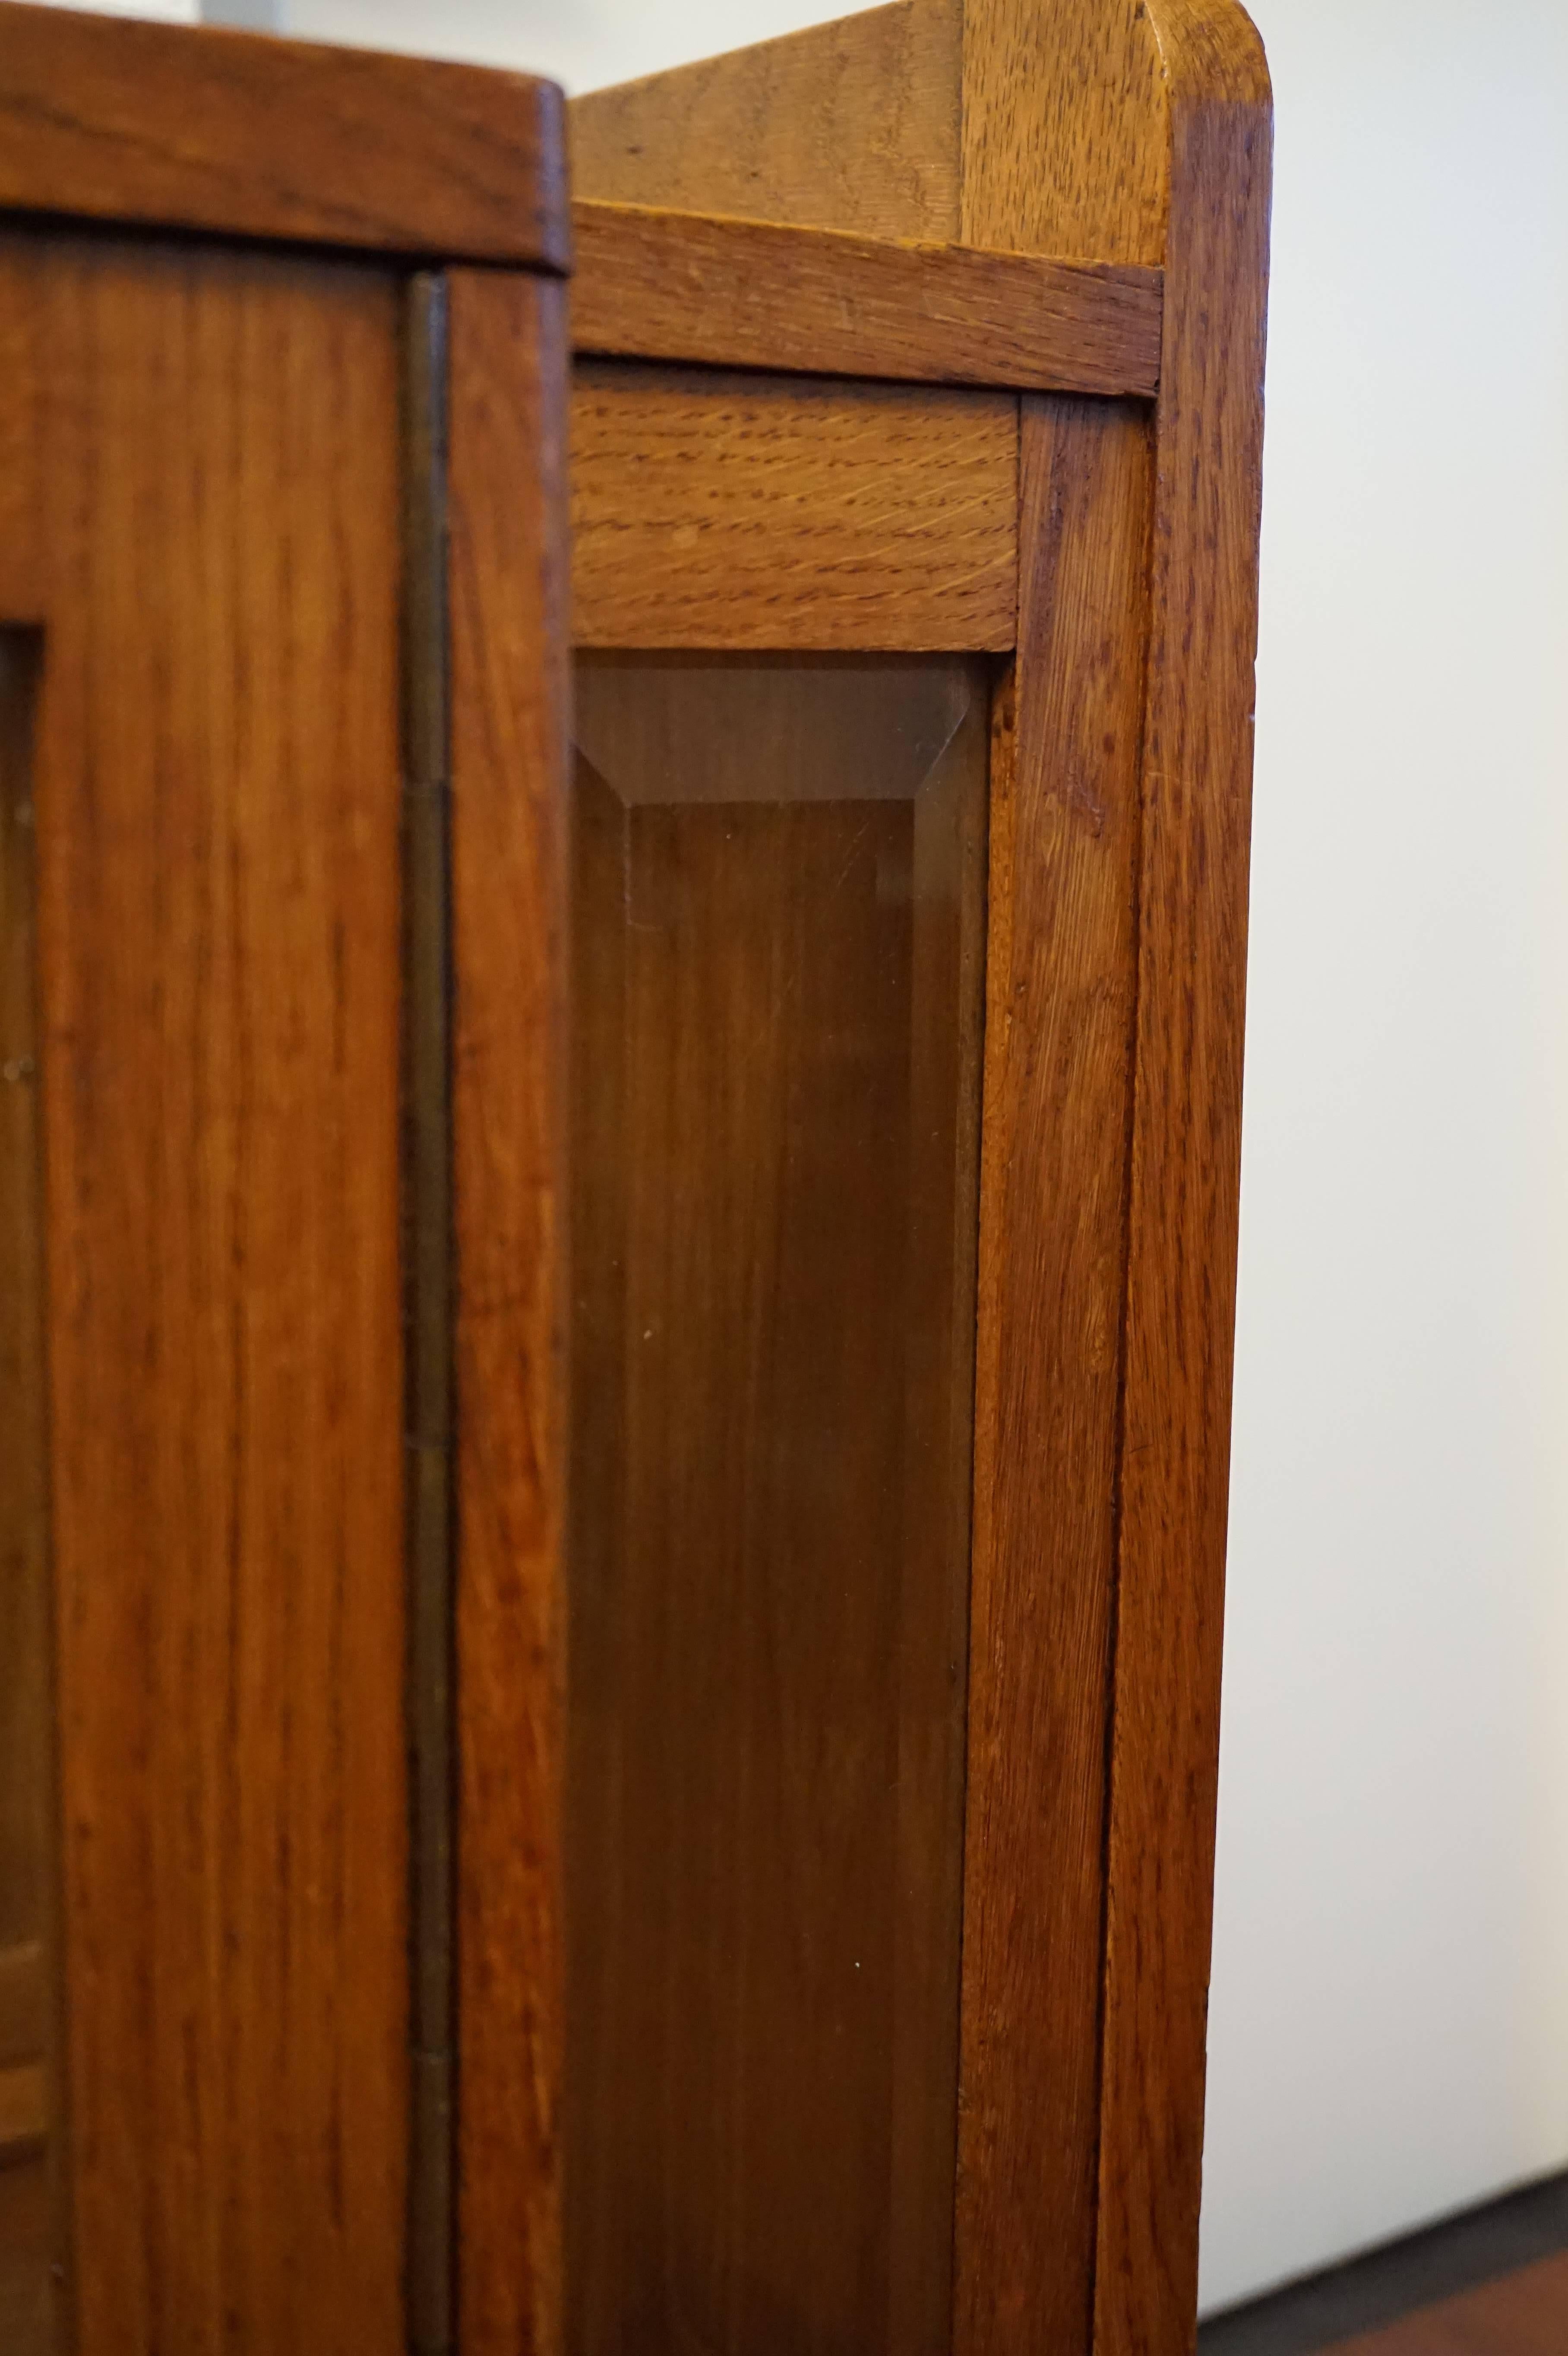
[(778, 911), (25, 1714)]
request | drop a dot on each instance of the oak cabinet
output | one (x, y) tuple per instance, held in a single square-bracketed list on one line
[(615, 1294)]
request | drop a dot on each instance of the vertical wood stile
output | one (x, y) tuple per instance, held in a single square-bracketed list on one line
[(1186, 1165), (1064, 835), (510, 880), (427, 1266), (1132, 133), (31, 1981)]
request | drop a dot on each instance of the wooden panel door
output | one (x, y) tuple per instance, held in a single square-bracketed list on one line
[(281, 1263), (200, 590)]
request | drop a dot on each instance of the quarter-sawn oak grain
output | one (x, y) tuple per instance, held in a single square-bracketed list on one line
[(1186, 1166), (737, 293), (772, 512), (1064, 142), (1059, 1037)]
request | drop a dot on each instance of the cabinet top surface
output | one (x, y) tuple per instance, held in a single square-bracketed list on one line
[(199, 128)]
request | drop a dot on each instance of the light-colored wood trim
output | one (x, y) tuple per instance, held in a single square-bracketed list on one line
[(853, 125), (737, 293), (721, 511), (1016, 126), (509, 932), (197, 128), (1186, 1162), (1059, 981)]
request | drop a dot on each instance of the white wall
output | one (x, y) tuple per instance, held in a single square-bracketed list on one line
[(1389, 2034), (581, 43), (167, 12), (1389, 2026)]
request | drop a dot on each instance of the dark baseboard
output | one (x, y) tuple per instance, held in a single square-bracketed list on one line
[(1439, 2262)]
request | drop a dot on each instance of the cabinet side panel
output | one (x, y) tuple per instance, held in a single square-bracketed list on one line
[(216, 802), (850, 125), (1185, 1180), (509, 590), (1059, 997)]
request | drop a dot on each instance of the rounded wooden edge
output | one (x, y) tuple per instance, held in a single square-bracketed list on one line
[(1212, 50)]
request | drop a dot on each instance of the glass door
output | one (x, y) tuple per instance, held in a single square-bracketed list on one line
[(778, 908)]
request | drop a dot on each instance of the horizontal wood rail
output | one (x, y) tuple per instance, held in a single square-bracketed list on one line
[(651, 284), (728, 511), (184, 127)]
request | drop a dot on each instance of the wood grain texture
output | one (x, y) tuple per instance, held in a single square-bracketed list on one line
[(1060, 991), (1063, 142), (214, 459), (29, 1991), (735, 294), (200, 128), (853, 125), (27, 1743), (731, 512), (778, 906), (21, 582), (1185, 1173), (508, 683), (428, 1257)]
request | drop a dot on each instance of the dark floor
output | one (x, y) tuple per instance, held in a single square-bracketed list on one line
[(1491, 2282), (1525, 2313)]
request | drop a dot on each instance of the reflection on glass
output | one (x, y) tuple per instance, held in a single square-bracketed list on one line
[(26, 2327), (778, 909)]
